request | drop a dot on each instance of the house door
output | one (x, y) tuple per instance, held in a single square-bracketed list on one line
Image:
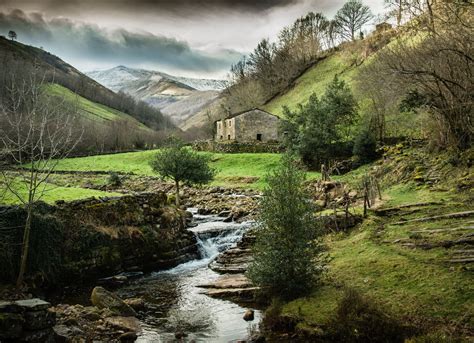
[(228, 137), (259, 137)]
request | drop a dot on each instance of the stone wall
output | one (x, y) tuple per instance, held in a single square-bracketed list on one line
[(225, 130), (252, 126), (256, 122), (88, 239), (26, 321), (238, 147)]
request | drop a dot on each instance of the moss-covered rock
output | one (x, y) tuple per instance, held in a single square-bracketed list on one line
[(102, 298)]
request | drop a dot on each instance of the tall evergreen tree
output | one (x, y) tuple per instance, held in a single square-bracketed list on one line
[(288, 255)]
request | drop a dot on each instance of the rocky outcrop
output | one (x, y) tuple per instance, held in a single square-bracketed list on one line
[(101, 298), (232, 264), (77, 323), (88, 239), (26, 321)]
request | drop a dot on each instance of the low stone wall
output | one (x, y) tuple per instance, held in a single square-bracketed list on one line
[(88, 239), (238, 147), (26, 321)]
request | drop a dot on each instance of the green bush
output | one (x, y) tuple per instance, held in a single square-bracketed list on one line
[(114, 179), (365, 147), (359, 319)]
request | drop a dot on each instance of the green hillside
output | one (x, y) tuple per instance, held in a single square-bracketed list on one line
[(314, 80), (90, 109)]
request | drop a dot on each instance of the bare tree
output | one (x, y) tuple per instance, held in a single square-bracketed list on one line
[(395, 8), (36, 131), (351, 17), (435, 70)]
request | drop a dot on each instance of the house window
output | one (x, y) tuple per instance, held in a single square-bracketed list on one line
[(222, 137), (259, 136), (230, 123)]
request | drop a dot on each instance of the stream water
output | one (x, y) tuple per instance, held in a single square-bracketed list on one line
[(177, 303)]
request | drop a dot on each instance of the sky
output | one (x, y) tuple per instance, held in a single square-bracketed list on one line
[(193, 38)]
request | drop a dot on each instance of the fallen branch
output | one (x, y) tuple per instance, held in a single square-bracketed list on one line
[(385, 211), (444, 230), (443, 216), (462, 260)]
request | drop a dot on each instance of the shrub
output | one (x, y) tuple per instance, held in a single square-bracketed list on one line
[(365, 147), (359, 319), (114, 179), (274, 321)]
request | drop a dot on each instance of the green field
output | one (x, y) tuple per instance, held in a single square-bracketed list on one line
[(89, 109), (233, 170)]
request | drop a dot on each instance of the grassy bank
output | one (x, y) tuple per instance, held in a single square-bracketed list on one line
[(404, 267), (52, 193)]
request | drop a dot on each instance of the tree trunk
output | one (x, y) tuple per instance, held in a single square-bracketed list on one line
[(25, 247), (399, 13), (177, 193)]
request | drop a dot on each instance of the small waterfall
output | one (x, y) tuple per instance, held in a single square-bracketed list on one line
[(213, 236), (211, 243)]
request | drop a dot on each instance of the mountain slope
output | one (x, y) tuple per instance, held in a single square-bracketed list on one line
[(314, 80), (178, 97), (18, 59), (93, 111)]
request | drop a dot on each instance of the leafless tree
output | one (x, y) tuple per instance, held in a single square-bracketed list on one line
[(439, 66), (352, 17), (36, 131)]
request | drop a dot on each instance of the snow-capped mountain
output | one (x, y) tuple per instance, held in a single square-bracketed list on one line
[(177, 97)]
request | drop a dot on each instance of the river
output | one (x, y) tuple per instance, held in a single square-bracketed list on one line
[(176, 302)]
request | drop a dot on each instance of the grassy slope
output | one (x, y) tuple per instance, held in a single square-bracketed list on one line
[(314, 80), (239, 170), (413, 284), (90, 109)]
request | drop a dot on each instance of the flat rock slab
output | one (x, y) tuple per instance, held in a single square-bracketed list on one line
[(229, 282), (229, 268), (9, 307), (124, 323), (235, 294), (33, 304)]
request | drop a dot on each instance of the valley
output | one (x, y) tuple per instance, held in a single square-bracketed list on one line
[(177, 97), (322, 191)]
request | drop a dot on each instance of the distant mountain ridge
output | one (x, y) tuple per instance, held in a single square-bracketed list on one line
[(118, 77), (178, 97)]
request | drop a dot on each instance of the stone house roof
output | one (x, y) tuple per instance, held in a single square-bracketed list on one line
[(233, 115)]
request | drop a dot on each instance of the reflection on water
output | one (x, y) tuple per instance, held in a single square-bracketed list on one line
[(175, 301)]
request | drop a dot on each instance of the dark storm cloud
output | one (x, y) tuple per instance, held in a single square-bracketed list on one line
[(75, 41), (181, 6)]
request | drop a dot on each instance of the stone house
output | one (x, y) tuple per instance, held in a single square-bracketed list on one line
[(249, 126)]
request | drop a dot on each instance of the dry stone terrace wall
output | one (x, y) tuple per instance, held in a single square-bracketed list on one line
[(88, 239)]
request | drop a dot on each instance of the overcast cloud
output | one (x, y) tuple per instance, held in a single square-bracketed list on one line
[(189, 38)]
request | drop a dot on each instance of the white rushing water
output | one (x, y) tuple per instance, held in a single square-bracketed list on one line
[(180, 305)]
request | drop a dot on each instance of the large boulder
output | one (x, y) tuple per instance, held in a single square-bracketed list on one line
[(102, 298)]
